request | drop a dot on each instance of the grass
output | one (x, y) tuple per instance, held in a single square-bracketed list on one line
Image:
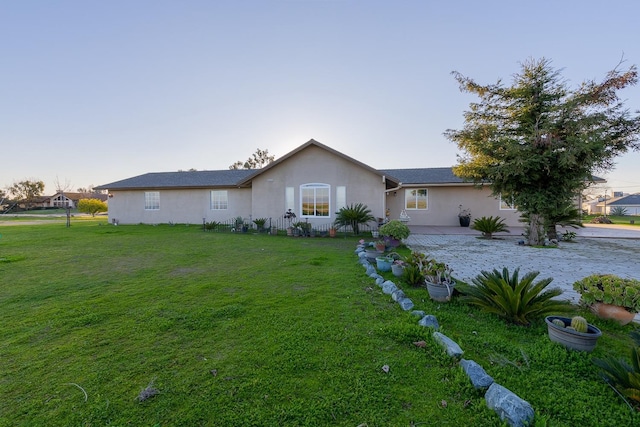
[(622, 220), (251, 329)]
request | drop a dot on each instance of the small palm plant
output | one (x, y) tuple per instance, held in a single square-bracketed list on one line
[(519, 300), (490, 225), (618, 211), (622, 376), (354, 216)]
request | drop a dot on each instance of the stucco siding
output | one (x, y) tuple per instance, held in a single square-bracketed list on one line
[(179, 206), (443, 203), (315, 165)]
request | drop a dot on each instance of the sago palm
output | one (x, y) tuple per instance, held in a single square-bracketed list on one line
[(622, 376), (489, 225), (518, 300), (353, 216)]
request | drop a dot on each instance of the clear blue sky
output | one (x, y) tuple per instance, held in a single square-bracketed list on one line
[(92, 92)]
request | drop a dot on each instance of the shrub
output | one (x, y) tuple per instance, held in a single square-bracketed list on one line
[(489, 225), (353, 216), (92, 206), (395, 229), (622, 376), (601, 220), (517, 300)]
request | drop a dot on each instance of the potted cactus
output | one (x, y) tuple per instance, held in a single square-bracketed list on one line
[(574, 333)]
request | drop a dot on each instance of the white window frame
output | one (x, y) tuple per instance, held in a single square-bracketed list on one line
[(151, 200), (219, 200), (415, 197), (505, 206), (315, 186)]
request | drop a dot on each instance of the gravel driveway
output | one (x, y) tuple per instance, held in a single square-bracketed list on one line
[(468, 255)]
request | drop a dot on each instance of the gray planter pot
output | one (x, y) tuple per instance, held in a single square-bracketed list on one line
[(397, 270), (574, 340), (383, 264), (439, 292)]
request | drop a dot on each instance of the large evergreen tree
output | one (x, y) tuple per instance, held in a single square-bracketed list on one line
[(538, 142)]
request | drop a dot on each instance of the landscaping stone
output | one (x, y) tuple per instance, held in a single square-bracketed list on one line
[(450, 346), (406, 304), (478, 376), (429, 321), (389, 287), (418, 313), (379, 280), (397, 295), (511, 408)]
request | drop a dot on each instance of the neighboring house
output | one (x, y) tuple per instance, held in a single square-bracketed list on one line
[(65, 199), (631, 204), (314, 181)]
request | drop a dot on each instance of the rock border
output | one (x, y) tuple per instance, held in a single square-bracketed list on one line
[(510, 407)]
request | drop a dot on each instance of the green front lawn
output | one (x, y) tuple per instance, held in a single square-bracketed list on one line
[(252, 329), (623, 220)]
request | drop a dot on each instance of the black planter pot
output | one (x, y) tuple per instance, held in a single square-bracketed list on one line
[(464, 221)]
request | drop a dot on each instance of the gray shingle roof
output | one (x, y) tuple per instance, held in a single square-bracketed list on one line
[(424, 176), (188, 179), (631, 199), (231, 178)]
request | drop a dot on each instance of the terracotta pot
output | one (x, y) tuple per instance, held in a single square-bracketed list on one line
[(615, 312)]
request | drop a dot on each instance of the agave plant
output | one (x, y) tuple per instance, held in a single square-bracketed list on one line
[(353, 216), (622, 376), (489, 225), (516, 299)]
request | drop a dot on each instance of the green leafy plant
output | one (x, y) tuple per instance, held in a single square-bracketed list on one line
[(622, 376), (354, 216), (239, 222), (260, 222), (412, 275), (211, 226), (568, 236), (609, 289), (463, 213), (395, 229), (415, 264), (519, 300), (618, 211), (601, 220), (489, 226), (438, 273)]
